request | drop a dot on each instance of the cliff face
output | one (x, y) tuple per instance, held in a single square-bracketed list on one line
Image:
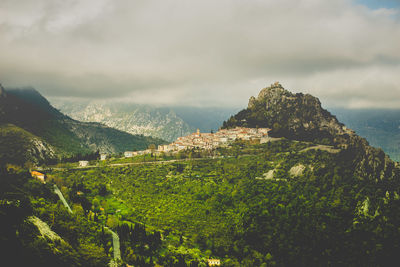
[(301, 117), (131, 118)]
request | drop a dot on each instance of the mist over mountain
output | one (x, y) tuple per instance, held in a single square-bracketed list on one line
[(33, 130), (167, 123)]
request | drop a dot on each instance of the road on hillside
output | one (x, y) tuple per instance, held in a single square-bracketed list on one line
[(115, 238), (116, 249), (60, 195), (132, 163)]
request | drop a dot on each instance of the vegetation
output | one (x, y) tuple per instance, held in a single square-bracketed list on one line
[(44, 135), (327, 200), (23, 242), (227, 208)]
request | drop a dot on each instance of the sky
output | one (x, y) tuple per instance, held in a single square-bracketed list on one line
[(203, 53)]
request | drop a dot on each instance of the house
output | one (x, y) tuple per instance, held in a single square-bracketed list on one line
[(264, 131), (103, 156), (83, 163), (128, 154), (38, 175), (214, 262)]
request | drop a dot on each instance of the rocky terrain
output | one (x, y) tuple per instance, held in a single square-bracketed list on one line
[(32, 130), (167, 123), (301, 117), (131, 118)]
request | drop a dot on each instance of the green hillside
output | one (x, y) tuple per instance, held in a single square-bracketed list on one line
[(18, 146), (317, 195), (63, 136), (232, 209)]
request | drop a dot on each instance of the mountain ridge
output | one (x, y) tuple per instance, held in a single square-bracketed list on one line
[(301, 117), (27, 110)]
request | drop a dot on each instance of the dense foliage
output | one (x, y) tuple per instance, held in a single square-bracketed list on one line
[(22, 200), (227, 207)]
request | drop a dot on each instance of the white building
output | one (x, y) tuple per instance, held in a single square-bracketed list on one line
[(128, 154), (83, 163), (103, 156)]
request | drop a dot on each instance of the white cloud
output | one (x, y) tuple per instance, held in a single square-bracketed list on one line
[(201, 52)]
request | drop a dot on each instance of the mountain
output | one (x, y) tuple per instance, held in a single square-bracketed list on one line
[(381, 127), (167, 123), (47, 133), (132, 118), (296, 116), (315, 195), (301, 117)]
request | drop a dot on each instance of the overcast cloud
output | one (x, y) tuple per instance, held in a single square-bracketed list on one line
[(202, 52)]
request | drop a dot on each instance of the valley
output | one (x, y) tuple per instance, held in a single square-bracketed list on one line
[(270, 188)]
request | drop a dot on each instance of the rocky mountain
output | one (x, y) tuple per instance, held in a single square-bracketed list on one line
[(166, 123), (289, 115), (132, 118), (47, 133), (19, 146), (301, 117)]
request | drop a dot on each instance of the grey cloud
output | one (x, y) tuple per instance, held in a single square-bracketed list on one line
[(198, 52)]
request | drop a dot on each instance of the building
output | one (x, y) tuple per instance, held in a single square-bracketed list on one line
[(128, 154), (83, 163), (103, 156), (214, 262), (210, 141), (38, 175)]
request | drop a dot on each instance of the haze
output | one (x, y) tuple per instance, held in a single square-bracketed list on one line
[(203, 53)]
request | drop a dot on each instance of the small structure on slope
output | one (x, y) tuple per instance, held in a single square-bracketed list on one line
[(83, 163), (38, 175), (214, 262)]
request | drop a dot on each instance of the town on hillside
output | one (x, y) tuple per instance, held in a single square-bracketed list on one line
[(209, 141)]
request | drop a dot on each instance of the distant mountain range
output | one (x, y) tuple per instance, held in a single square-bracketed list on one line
[(33, 130), (167, 123), (380, 127)]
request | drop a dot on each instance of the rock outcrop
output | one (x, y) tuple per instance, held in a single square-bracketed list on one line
[(298, 116), (301, 117)]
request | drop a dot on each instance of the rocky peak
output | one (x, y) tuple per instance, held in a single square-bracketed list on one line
[(301, 117), (290, 115), (275, 91)]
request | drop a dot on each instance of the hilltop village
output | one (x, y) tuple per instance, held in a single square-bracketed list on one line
[(208, 141)]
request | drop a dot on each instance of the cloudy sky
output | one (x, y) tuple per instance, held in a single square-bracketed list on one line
[(203, 53)]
